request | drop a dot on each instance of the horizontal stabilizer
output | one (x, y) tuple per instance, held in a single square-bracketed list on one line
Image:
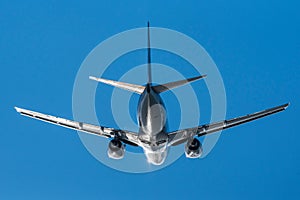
[(126, 86), (171, 85)]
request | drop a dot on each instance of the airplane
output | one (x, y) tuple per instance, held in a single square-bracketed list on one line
[(153, 136)]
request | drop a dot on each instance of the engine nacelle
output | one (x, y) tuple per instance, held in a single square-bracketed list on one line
[(116, 149), (193, 149)]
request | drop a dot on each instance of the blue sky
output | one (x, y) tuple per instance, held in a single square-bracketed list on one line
[(255, 45)]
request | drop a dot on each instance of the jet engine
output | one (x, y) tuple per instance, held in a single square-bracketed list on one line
[(193, 148), (116, 149)]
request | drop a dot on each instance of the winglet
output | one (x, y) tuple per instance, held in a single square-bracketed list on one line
[(286, 105), (17, 109)]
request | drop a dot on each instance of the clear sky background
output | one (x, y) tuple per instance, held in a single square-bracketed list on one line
[(255, 45)]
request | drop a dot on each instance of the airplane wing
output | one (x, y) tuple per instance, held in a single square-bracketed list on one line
[(125, 136), (181, 136)]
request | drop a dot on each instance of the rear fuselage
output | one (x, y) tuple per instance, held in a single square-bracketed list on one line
[(152, 126)]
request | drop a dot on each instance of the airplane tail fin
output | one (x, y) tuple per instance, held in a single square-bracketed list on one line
[(167, 86), (139, 89), (171, 85), (126, 86), (149, 57)]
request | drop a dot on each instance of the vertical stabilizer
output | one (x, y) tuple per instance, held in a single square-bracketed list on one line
[(149, 57)]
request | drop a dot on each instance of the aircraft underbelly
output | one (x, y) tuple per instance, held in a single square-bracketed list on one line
[(156, 157)]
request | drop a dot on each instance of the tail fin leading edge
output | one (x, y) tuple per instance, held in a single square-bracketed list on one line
[(149, 57)]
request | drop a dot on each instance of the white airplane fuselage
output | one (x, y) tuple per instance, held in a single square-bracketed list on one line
[(152, 122)]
